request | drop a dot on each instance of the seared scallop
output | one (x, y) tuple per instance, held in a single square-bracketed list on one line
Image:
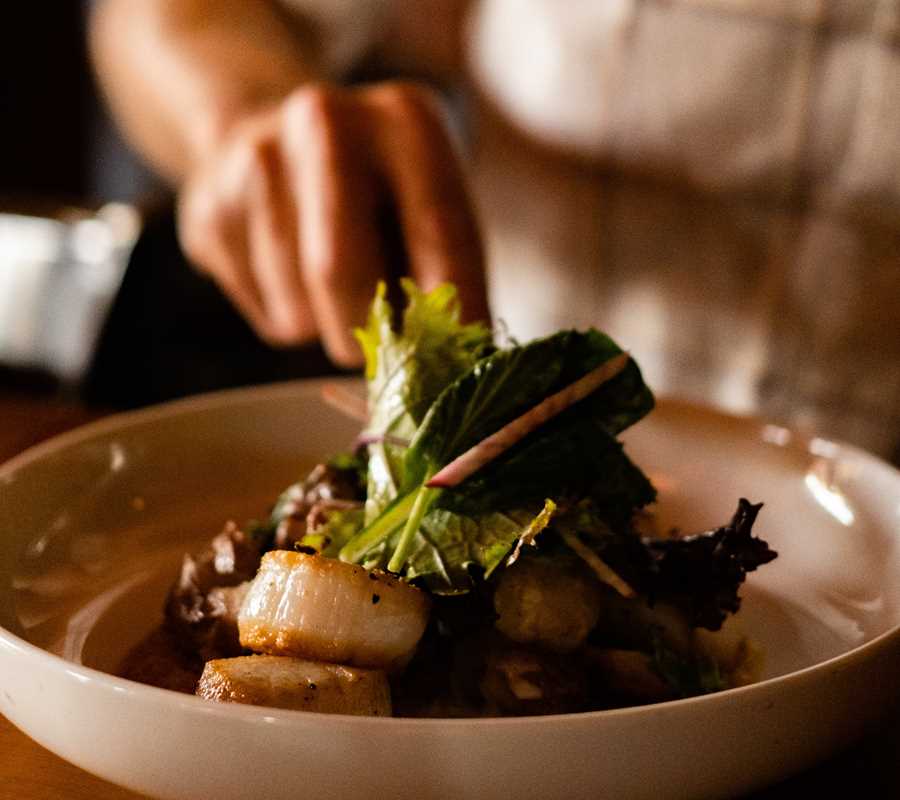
[(281, 682), (323, 609)]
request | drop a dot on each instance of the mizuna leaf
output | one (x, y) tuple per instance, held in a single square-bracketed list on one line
[(406, 370)]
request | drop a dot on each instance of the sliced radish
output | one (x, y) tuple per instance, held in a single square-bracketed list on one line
[(488, 449), (345, 401)]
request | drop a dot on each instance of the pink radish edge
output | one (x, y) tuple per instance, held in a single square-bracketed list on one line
[(347, 402), (488, 449)]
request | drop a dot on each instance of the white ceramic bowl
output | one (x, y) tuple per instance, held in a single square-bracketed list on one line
[(93, 524)]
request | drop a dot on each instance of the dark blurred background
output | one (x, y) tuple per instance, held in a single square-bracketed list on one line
[(49, 105), (56, 144), (170, 332), (49, 108)]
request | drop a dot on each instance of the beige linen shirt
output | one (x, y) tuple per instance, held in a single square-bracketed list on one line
[(725, 199), (738, 226)]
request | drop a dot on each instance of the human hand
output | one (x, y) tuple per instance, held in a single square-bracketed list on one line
[(287, 214)]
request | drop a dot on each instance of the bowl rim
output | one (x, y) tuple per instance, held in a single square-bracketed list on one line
[(127, 689)]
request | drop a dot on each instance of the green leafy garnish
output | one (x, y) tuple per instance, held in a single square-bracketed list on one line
[(449, 549), (406, 370), (688, 675), (339, 528), (452, 400)]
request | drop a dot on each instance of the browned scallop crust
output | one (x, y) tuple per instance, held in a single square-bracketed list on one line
[(293, 683), (309, 606)]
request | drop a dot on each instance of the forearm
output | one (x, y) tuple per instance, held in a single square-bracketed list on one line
[(178, 73)]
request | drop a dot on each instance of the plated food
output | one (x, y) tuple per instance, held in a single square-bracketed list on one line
[(95, 524), (487, 548)]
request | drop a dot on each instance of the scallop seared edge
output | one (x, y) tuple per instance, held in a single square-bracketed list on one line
[(293, 683), (319, 608)]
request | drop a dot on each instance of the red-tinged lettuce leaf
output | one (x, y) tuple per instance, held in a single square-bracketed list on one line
[(700, 574), (343, 477), (406, 370)]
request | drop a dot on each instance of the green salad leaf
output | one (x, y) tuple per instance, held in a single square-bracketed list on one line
[(449, 550), (508, 383), (438, 535), (338, 529), (406, 370), (569, 458)]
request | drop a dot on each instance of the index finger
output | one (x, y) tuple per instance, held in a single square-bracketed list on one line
[(341, 252), (438, 222)]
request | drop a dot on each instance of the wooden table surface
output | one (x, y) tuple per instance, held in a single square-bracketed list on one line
[(870, 769)]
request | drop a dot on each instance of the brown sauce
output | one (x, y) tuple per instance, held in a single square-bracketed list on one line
[(158, 661)]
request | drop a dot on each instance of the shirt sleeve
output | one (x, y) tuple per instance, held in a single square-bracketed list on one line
[(549, 65)]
